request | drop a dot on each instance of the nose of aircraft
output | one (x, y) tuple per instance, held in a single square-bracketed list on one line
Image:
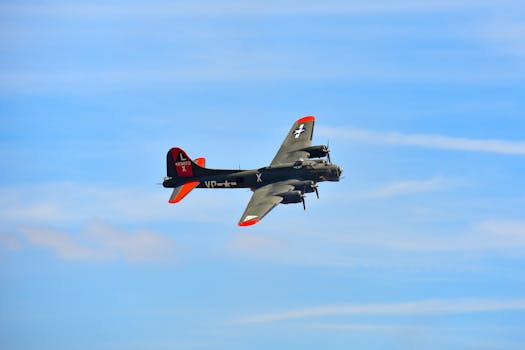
[(340, 170)]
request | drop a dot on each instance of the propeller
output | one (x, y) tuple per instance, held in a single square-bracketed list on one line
[(313, 186), (316, 189), (326, 149)]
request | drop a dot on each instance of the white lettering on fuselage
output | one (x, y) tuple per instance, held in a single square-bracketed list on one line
[(259, 175), (297, 132), (225, 184)]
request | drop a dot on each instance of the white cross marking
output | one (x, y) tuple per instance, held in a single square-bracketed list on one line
[(259, 177), (297, 132)]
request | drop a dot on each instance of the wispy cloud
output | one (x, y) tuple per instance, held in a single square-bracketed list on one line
[(384, 243), (487, 236), (102, 241), (425, 140), (230, 63), (511, 229), (64, 244), (9, 241), (413, 308), (409, 187), (409, 328), (252, 243), (237, 8), (506, 37), (66, 202)]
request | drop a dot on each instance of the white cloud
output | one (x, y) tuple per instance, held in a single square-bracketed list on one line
[(382, 243), (240, 8), (65, 245), (9, 241), (414, 308), (424, 140), (487, 236), (505, 229), (52, 203), (102, 242), (238, 66), (251, 243), (409, 187), (256, 246), (505, 36), (232, 63)]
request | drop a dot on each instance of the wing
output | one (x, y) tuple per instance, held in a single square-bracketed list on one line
[(299, 137), (263, 200)]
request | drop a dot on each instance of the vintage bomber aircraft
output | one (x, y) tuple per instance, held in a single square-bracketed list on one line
[(290, 175)]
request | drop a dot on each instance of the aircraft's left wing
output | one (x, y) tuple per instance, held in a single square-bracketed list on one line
[(299, 137), (263, 200)]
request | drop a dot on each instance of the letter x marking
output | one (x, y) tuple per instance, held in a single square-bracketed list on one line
[(259, 177)]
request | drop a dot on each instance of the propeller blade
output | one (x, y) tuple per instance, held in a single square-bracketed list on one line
[(304, 203), (328, 152), (316, 191)]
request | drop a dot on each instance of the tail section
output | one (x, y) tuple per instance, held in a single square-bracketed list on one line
[(180, 168), (179, 165), (184, 174)]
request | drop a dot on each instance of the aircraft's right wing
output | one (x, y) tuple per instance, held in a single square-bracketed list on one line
[(263, 200)]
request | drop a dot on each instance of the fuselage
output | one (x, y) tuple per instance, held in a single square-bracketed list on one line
[(315, 171)]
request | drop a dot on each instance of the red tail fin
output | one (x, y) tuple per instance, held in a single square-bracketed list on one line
[(178, 163)]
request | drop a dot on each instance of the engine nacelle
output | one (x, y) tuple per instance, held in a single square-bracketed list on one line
[(292, 197), (317, 151), (305, 186)]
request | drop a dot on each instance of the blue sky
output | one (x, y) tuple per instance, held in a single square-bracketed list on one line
[(421, 246)]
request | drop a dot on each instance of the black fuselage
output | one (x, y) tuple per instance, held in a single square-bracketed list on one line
[(316, 171)]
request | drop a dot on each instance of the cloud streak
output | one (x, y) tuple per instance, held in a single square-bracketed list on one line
[(506, 36), (9, 241), (488, 236), (102, 242), (66, 202), (413, 308), (425, 140), (409, 187), (238, 8), (384, 243)]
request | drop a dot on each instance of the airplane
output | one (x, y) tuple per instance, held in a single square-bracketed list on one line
[(291, 174)]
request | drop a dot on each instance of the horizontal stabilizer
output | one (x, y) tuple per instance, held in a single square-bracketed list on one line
[(200, 162), (182, 191)]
